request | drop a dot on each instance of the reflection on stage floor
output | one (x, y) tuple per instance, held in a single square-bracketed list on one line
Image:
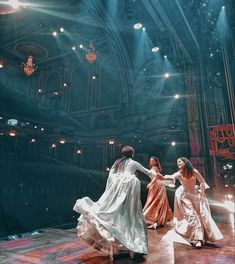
[(53, 246), (61, 245)]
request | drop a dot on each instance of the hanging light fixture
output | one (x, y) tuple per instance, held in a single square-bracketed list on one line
[(91, 55), (29, 67), (62, 141), (12, 133), (2, 63)]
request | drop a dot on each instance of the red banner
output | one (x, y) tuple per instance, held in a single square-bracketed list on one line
[(223, 141)]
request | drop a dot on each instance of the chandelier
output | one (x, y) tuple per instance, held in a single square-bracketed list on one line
[(91, 55), (29, 67)]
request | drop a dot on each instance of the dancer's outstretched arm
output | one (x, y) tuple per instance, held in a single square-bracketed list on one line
[(150, 173), (202, 181), (172, 177)]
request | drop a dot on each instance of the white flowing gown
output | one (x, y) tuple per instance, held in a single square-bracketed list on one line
[(116, 218)]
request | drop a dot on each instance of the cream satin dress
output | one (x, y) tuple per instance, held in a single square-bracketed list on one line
[(116, 219), (192, 216)]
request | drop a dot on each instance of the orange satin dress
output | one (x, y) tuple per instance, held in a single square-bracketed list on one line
[(157, 209)]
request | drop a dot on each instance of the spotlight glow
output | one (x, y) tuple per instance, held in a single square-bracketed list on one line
[(155, 49), (223, 7), (1, 65), (14, 3), (61, 30), (54, 33), (177, 96), (173, 143), (93, 77), (80, 46), (228, 205), (12, 133), (79, 151), (138, 26), (165, 56), (143, 28), (167, 75), (62, 141), (231, 220), (73, 48), (229, 196), (111, 142)]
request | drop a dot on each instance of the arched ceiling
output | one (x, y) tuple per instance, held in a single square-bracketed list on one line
[(172, 25), (29, 29)]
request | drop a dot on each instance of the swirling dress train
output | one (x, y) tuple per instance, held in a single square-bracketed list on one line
[(116, 219)]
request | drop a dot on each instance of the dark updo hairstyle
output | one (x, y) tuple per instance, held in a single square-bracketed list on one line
[(127, 152), (188, 168), (158, 165)]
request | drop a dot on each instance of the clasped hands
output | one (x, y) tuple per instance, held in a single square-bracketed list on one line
[(158, 176)]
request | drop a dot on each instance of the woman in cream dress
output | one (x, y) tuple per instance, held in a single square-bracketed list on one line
[(192, 214), (115, 222)]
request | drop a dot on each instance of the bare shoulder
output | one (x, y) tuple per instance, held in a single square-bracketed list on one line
[(197, 174), (195, 170)]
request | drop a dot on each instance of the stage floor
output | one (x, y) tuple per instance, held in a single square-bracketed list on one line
[(165, 247)]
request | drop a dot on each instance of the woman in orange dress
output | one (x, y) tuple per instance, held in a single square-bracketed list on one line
[(157, 211)]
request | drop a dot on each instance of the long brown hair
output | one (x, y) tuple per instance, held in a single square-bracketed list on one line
[(188, 168), (158, 165)]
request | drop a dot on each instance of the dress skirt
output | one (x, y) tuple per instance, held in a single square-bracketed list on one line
[(192, 216), (116, 218), (157, 207)]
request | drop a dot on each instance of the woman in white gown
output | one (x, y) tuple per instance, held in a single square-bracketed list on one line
[(192, 214), (115, 222)]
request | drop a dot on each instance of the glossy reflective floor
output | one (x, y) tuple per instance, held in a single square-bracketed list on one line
[(57, 246), (165, 247)]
